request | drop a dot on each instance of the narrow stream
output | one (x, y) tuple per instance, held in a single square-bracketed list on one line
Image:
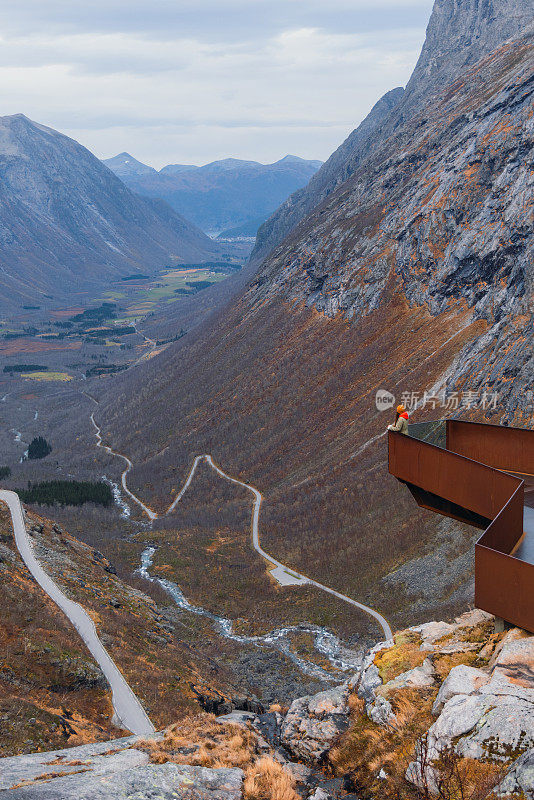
[(326, 643), (118, 499)]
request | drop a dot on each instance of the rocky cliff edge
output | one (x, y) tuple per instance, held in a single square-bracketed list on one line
[(444, 710)]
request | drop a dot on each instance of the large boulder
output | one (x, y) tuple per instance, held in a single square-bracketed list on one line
[(520, 779), (418, 677), (477, 726), (366, 682), (110, 771), (460, 680), (314, 722), (484, 714), (144, 782)]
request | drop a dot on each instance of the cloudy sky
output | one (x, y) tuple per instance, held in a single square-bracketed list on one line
[(191, 81)]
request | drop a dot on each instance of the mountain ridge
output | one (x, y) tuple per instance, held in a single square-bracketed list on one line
[(459, 33), (67, 221), (222, 194)]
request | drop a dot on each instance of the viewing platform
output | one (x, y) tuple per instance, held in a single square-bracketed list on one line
[(482, 475)]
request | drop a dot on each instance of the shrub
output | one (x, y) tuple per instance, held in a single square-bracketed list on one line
[(67, 493), (39, 448), (5, 472), (25, 368)]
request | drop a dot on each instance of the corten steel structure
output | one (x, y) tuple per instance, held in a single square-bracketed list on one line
[(483, 475)]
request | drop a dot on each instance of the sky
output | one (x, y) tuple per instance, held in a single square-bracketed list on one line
[(192, 81)]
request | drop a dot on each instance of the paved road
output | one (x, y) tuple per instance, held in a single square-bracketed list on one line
[(148, 511), (259, 549), (129, 711), (298, 577)]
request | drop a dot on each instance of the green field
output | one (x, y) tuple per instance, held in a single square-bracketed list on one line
[(142, 298), (47, 376)]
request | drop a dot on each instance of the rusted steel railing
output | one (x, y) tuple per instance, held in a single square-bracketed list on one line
[(465, 480)]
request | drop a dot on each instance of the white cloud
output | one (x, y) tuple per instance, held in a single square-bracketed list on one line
[(174, 97)]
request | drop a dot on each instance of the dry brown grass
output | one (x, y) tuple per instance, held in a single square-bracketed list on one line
[(268, 780), (404, 655), (367, 748), (468, 778), (200, 741), (444, 662)]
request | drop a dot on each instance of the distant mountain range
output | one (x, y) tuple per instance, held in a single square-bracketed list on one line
[(66, 221), (222, 195)]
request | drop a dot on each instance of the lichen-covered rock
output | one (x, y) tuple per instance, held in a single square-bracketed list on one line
[(483, 713), (380, 711), (430, 632), (112, 771), (313, 722), (377, 708), (514, 662), (520, 779), (161, 781), (418, 677), (477, 726), (460, 680)]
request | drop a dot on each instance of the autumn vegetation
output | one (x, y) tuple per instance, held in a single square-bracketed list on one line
[(201, 741)]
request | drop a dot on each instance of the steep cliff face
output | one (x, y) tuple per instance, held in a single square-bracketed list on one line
[(66, 220), (331, 174), (443, 210), (414, 275), (459, 34)]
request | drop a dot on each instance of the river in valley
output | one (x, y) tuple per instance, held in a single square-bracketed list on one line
[(343, 661)]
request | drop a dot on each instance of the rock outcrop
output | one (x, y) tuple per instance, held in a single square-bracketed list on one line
[(443, 212), (483, 709), (313, 723), (112, 770), (459, 34)]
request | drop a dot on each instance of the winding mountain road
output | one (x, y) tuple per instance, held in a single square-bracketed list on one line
[(129, 711), (258, 498), (148, 511), (297, 577)]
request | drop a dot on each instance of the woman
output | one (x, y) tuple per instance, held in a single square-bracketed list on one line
[(401, 421)]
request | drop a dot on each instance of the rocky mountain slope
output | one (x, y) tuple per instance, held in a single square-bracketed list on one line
[(52, 692), (459, 34), (414, 275), (333, 172), (221, 195), (66, 222), (444, 710)]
